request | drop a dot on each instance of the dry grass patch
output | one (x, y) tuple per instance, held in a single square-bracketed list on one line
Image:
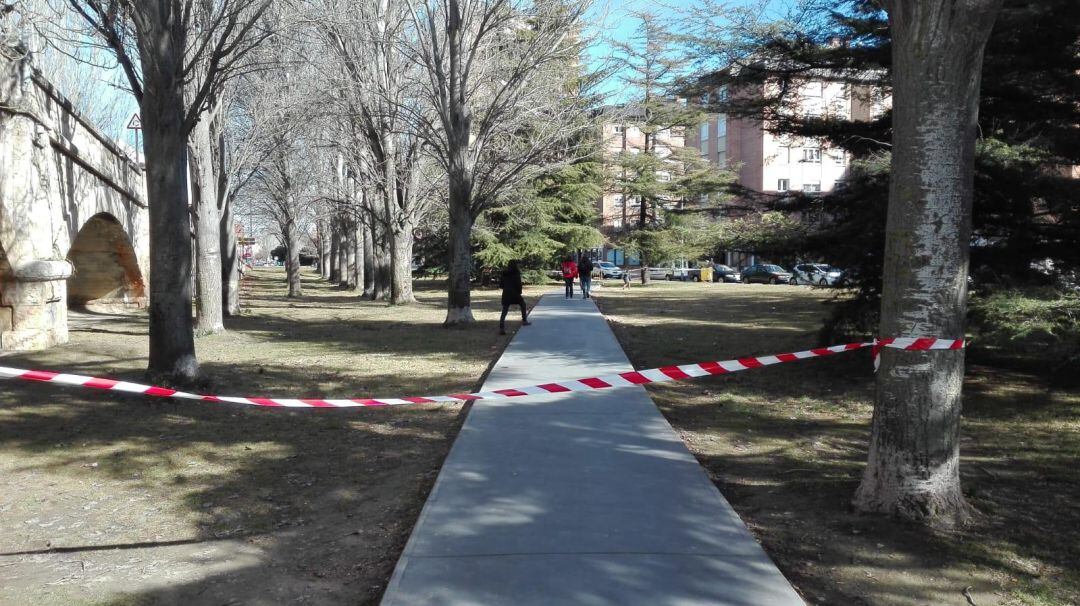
[(107, 499), (787, 445)]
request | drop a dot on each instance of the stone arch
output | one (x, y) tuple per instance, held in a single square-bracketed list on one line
[(105, 268)]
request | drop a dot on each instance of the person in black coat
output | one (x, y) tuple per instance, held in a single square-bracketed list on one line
[(585, 268), (510, 282)]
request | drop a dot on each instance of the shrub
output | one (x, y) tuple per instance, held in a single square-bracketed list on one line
[(1037, 325)]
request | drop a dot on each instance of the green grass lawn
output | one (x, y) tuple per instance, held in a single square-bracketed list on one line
[(787, 444)]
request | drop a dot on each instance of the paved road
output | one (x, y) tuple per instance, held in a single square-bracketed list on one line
[(581, 498)]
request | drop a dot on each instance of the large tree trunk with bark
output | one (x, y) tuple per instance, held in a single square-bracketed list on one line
[(230, 260), (459, 293), (349, 241), (172, 343), (324, 249), (358, 250), (204, 209), (369, 259), (343, 254), (335, 253), (292, 262), (230, 252), (381, 285), (401, 253), (913, 468)]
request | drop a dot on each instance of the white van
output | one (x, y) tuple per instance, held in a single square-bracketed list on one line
[(675, 270)]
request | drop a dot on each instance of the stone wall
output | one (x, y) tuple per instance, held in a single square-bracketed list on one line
[(58, 176)]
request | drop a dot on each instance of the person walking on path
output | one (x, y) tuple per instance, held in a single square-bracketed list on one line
[(585, 269), (510, 282), (626, 279), (569, 272)]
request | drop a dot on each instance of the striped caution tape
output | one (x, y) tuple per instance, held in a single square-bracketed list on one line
[(624, 379)]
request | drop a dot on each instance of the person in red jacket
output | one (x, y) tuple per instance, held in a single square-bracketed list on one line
[(569, 272)]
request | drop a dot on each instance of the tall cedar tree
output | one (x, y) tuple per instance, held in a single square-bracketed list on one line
[(551, 215), (664, 180)]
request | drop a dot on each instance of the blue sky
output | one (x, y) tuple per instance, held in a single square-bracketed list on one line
[(610, 19)]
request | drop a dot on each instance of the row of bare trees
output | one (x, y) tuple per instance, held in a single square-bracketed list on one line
[(409, 106), (339, 123)]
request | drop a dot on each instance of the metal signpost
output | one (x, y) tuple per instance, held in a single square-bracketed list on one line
[(135, 124)]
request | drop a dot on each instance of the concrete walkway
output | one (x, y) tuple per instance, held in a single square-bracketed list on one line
[(581, 498)]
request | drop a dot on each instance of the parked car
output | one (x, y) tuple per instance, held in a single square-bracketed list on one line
[(607, 269), (723, 273), (817, 274), (766, 274), (658, 273)]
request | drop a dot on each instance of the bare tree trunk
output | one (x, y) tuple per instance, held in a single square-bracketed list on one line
[(172, 343), (381, 285), (369, 260), (362, 261), (914, 462), (292, 262), (324, 249), (230, 252), (343, 253), (350, 246), (401, 253), (459, 294), (335, 253), (208, 300)]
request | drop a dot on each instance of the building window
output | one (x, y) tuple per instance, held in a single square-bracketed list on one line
[(704, 137), (812, 89), (783, 184), (722, 94), (618, 201), (812, 154), (663, 177), (619, 129), (840, 185), (839, 158), (811, 187), (721, 125)]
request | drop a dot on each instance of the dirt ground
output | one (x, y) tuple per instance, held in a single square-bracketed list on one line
[(108, 499), (786, 445)]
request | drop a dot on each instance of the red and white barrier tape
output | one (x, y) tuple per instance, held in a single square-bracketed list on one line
[(624, 379)]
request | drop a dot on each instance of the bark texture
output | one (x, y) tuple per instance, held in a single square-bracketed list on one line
[(292, 262), (335, 255), (172, 343), (361, 262), (369, 261), (459, 295), (401, 291), (230, 251), (343, 254), (204, 209), (913, 467), (351, 258), (230, 259), (324, 250), (381, 263)]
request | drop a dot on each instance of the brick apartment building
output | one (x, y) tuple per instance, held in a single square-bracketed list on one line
[(764, 162), (767, 162)]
